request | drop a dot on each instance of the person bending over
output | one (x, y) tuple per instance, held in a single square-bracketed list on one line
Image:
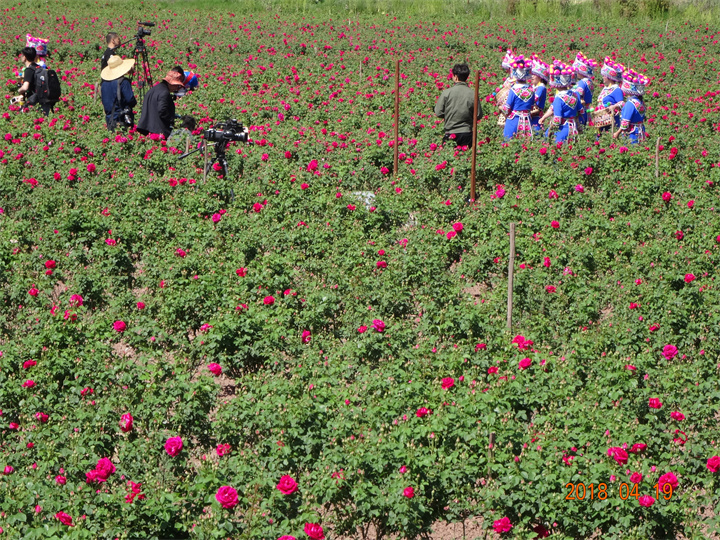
[(158, 109)]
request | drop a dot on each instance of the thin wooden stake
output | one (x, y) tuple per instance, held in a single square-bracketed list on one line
[(491, 453), (657, 158), (397, 116), (205, 161), (511, 270), (474, 136)]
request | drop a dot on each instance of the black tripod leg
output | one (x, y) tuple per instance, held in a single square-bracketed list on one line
[(143, 73), (146, 68), (210, 166), (223, 162)]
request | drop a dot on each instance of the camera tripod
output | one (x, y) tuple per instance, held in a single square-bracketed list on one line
[(142, 65), (220, 158)]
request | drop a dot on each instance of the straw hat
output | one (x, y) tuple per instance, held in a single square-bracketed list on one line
[(116, 68)]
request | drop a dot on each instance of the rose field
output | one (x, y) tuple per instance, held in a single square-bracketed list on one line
[(316, 346)]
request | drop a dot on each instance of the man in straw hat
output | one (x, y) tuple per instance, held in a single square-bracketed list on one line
[(117, 94), (158, 110)]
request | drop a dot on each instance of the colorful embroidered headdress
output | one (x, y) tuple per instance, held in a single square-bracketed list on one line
[(520, 68), (39, 44), (540, 68), (561, 75), (612, 70), (508, 60), (584, 66), (633, 83)]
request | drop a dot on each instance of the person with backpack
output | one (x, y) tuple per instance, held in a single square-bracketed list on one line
[(118, 98), (40, 85)]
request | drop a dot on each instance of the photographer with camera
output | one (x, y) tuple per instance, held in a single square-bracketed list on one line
[(158, 109), (117, 95)]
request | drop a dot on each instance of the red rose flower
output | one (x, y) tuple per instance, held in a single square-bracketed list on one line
[(314, 531), (173, 446), (447, 383), (287, 485), (126, 422), (502, 525), (64, 519), (227, 496)]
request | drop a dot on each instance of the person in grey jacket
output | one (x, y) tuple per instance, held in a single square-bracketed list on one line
[(456, 105)]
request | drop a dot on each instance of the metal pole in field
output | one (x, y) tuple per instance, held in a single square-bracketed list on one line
[(397, 115), (511, 271), (657, 158), (474, 137)]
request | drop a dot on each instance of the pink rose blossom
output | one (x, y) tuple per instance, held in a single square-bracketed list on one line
[(173, 446), (654, 403), (227, 497), (287, 485), (502, 525), (215, 369)]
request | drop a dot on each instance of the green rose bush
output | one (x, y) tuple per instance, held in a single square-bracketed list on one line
[(315, 347)]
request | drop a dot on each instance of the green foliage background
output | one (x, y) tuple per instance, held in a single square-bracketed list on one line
[(338, 413)]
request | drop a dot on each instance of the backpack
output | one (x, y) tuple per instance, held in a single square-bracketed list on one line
[(47, 86)]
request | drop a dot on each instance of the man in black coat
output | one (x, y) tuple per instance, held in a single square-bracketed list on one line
[(158, 109)]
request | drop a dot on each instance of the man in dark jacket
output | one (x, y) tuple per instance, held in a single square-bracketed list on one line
[(158, 110), (456, 106)]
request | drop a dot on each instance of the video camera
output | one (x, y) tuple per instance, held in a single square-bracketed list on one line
[(142, 32), (227, 131)]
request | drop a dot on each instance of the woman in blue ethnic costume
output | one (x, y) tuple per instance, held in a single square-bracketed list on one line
[(611, 94), (566, 104), (632, 116), (502, 91), (538, 79), (584, 68), (519, 102)]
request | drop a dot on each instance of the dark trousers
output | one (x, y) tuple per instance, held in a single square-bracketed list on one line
[(461, 139)]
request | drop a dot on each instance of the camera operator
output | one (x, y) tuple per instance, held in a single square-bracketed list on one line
[(113, 42), (117, 94), (158, 109)]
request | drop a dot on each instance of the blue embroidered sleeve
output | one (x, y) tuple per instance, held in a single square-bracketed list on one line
[(557, 110), (509, 104), (626, 115), (587, 93)]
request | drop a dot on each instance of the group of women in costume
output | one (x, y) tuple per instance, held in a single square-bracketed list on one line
[(619, 104)]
